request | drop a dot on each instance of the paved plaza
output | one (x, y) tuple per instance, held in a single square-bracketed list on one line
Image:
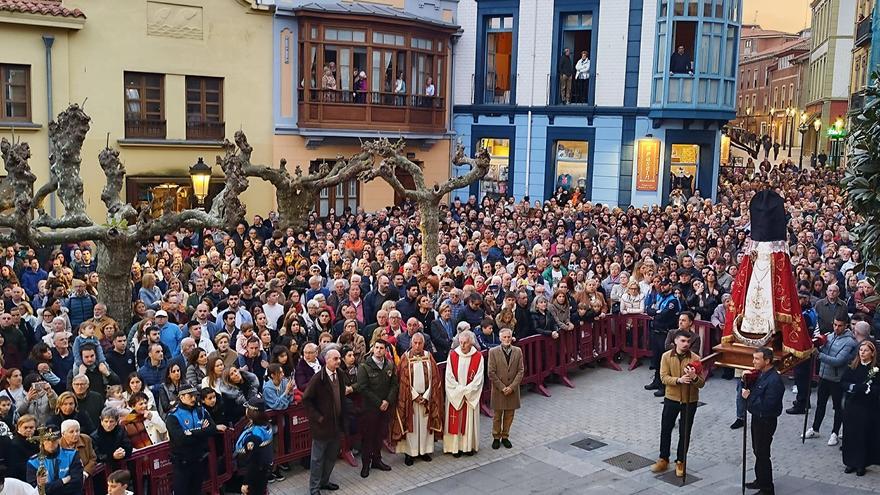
[(611, 408)]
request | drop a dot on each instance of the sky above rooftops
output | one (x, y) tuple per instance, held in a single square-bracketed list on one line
[(783, 15)]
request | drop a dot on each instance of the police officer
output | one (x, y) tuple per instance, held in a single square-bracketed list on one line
[(664, 309), (60, 472), (190, 428), (377, 384), (254, 448)]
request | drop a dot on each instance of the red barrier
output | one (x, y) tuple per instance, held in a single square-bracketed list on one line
[(606, 341), (533, 357), (634, 332), (559, 354)]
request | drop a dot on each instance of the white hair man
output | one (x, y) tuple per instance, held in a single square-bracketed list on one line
[(464, 385)]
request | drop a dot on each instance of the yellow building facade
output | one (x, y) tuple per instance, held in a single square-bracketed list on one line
[(163, 81)]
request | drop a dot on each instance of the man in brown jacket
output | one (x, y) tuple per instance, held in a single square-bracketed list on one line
[(683, 384), (324, 400), (505, 372)]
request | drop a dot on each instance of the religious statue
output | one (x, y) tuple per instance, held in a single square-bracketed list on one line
[(764, 310)]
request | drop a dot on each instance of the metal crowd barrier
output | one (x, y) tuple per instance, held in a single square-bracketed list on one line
[(602, 341)]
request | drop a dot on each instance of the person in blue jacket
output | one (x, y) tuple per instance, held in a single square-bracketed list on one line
[(254, 450), (190, 428), (60, 472)]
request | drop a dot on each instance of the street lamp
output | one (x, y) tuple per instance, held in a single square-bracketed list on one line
[(792, 111), (200, 173), (837, 133), (772, 132), (748, 115), (817, 124), (803, 130)]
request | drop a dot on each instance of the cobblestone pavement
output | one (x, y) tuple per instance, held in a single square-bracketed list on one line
[(612, 407)]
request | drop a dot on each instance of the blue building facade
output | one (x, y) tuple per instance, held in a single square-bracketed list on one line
[(624, 127)]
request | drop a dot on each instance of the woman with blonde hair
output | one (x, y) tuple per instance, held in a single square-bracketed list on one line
[(149, 292)]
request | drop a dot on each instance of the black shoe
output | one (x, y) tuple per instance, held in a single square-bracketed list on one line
[(739, 423), (861, 471), (456, 455), (849, 470), (795, 410), (469, 453), (659, 393), (381, 466), (408, 460), (425, 457), (276, 476), (496, 444), (652, 386), (285, 466), (753, 485), (330, 486), (506, 443), (365, 471)]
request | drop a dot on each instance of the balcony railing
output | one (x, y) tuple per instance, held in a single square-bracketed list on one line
[(205, 131), (336, 109), (863, 32), (144, 128)]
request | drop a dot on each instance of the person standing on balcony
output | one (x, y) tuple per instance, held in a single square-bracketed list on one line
[(360, 87), (680, 63), (328, 84), (565, 68), (582, 78), (400, 89)]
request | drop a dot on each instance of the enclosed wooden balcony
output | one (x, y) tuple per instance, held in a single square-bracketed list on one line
[(334, 109)]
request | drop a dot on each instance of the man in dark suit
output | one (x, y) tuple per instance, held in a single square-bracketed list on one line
[(764, 401), (324, 400)]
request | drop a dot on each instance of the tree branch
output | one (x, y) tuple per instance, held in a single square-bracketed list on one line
[(114, 171), (66, 136), (479, 169)]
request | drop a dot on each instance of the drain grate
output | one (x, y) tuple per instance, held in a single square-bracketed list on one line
[(672, 479), (589, 444), (629, 461)]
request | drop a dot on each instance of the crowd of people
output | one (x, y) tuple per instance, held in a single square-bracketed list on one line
[(346, 315)]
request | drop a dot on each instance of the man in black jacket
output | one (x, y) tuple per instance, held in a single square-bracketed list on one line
[(120, 359), (764, 401), (524, 327), (565, 69)]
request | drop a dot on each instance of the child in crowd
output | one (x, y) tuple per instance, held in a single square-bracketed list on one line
[(87, 336), (117, 483), (116, 399)]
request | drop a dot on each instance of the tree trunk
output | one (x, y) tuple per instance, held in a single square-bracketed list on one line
[(294, 206), (115, 257), (430, 228)]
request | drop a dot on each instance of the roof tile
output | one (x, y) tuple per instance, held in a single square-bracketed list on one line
[(40, 7)]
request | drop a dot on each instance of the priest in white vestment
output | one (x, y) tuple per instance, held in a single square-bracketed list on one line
[(464, 385)]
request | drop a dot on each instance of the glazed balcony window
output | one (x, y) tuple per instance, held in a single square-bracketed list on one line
[(384, 75), (204, 108), (15, 93)]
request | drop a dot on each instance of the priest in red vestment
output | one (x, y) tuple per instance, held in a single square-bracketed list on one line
[(464, 385)]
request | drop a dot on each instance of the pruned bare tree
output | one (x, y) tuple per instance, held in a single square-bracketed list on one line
[(295, 194), (118, 239), (392, 155)]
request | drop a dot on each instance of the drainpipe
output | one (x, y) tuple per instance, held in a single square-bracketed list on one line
[(48, 40), (531, 101), (450, 104)]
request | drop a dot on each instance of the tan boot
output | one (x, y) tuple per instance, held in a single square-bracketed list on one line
[(679, 469), (660, 466)]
